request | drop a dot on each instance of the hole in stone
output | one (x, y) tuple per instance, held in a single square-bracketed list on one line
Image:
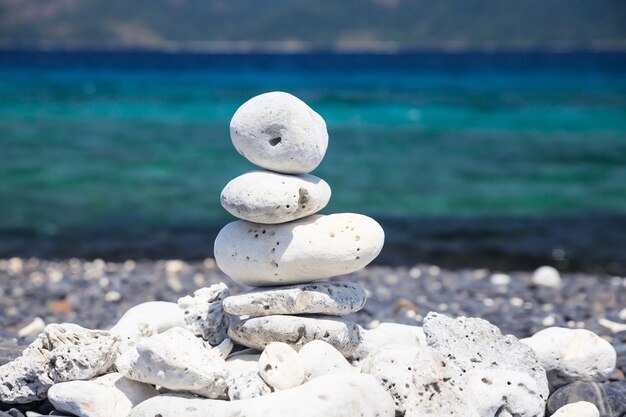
[(275, 141)]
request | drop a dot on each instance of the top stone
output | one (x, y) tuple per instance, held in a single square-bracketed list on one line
[(279, 132)]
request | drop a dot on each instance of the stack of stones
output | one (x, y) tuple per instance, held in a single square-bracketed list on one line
[(281, 244)]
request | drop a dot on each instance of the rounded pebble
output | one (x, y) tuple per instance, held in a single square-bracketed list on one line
[(280, 366)]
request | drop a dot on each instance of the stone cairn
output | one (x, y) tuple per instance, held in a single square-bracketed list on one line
[(178, 359), (280, 245)]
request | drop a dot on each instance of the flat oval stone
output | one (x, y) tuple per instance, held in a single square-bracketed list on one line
[(296, 331), (304, 250), (609, 398), (270, 198), (336, 298), (279, 132)]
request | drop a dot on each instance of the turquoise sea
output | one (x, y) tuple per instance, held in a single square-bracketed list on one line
[(467, 156)]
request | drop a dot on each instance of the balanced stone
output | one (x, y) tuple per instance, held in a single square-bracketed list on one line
[(279, 132), (337, 298), (346, 395), (304, 250), (270, 198), (572, 354), (296, 331)]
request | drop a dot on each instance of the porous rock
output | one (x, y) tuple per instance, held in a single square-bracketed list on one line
[(501, 372), (572, 354), (296, 331), (345, 395), (320, 358), (204, 314), (280, 366), (304, 250), (270, 198), (179, 361), (62, 352), (335, 298), (109, 395), (279, 132)]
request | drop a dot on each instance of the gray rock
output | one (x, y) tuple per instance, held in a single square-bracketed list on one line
[(502, 372), (335, 298), (63, 352), (204, 314), (609, 398), (296, 331), (279, 132), (270, 198)]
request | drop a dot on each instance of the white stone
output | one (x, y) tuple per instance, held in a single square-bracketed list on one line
[(180, 361), (280, 366), (204, 314), (32, 329), (270, 198), (421, 381), (244, 381), (500, 279), (296, 331), (572, 354), (388, 334), (320, 358), (547, 276), (63, 352), (304, 250), (333, 298), (346, 395), (613, 326), (145, 320), (110, 395), (578, 409), (513, 377), (279, 132)]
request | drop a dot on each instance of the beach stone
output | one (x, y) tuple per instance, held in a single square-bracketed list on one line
[(420, 380), (179, 361), (609, 398), (345, 395), (145, 320), (334, 298), (296, 331), (110, 395), (388, 334), (320, 358), (270, 198), (572, 354), (546, 276), (62, 352), (280, 366), (579, 409), (304, 250), (244, 381), (204, 314), (502, 372), (279, 132)]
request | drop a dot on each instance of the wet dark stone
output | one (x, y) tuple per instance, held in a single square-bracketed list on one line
[(610, 398)]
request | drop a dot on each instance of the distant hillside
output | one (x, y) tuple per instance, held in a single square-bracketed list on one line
[(318, 24)]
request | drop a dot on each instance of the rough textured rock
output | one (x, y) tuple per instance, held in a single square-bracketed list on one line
[(609, 398), (279, 132), (572, 354), (304, 250), (244, 381), (579, 409), (204, 314), (110, 395), (63, 352), (547, 276), (345, 395), (420, 380), (145, 320), (335, 298), (320, 358), (502, 372), (388, 334), (280, 366), (270, 198), (180, 361), (296, 331)]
